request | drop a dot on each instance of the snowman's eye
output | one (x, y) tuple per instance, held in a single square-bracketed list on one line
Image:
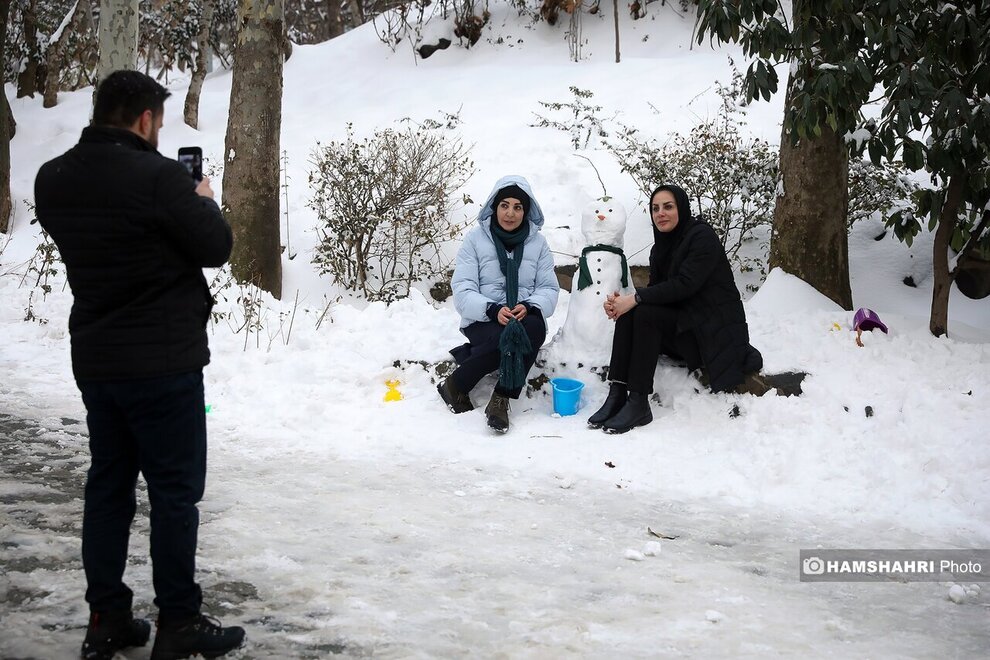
[(597, 211), (610, 210)]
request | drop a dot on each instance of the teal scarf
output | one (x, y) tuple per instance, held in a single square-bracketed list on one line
[(514, 343), (584, 279)]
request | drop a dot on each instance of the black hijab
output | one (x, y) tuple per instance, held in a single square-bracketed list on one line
[(665, 244)]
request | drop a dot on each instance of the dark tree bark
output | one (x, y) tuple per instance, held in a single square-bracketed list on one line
[(27, 80), (357, 13), (615, 17), (56, 52), (939, 321), (11, 120), (5, 129), (191, 112), (809, 237), (251, 148), (335, 25)]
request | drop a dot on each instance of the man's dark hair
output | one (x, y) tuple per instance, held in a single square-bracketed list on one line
[(124, 95)]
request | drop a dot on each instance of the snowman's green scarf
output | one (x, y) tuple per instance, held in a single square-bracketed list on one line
[(584, 279), (514, 343)]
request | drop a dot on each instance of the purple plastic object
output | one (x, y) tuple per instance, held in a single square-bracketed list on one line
[(867, 319)]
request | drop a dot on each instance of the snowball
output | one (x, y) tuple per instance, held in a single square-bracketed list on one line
[(634, 555), (834, 625), (714, 616), (957, 594), (651, 548)]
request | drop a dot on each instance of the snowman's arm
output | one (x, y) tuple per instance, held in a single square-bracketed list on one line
[(703, 255), (546, 287), (469, 302)]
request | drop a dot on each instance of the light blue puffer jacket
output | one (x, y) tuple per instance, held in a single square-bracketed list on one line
[(478, 280)]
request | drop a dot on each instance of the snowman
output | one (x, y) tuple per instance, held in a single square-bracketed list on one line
[(586, 336)]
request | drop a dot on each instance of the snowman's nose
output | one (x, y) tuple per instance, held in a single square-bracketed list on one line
[(601, 217)]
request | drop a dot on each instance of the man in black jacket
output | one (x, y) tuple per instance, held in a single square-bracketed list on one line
[(135, 230)]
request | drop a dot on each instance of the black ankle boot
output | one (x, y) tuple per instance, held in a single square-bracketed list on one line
[(497, 413), (635, 413), (109, 632), (197, 635), (457, 401), (616, 398)]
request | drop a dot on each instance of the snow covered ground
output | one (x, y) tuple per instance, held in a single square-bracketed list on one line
[(337, 523)]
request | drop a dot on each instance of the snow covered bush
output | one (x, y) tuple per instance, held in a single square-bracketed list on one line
[(731, 179), (383, 205), (31, 29), (579, 119), (405, 21), (882, 189)]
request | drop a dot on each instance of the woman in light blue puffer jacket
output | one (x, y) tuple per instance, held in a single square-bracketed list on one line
[(504, 288)]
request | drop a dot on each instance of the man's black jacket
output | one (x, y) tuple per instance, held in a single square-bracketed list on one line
[(134, 237)]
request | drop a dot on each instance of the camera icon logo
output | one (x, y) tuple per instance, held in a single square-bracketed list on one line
[(813, 566)]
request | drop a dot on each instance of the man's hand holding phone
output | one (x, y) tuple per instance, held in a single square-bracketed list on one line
[(203, 188), (192, 159)]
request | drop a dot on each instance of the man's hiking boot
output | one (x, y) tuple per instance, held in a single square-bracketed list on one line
[(497, 413), (457, 401), (198, 635), (109, 632), (617, 394), (635, 413)]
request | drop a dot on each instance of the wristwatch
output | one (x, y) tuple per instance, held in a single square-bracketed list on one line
[(638, 298)]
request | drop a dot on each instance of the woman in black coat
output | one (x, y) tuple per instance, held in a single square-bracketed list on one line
[(691, 310)]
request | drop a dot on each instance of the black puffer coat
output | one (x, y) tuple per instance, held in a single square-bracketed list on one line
[(134, 237), (690, 272)]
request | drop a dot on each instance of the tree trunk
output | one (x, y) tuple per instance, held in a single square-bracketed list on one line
[(335, 26), (56, 50), (615, 16), (809, 236), (251, 148), (938, 324), (191, 113), (27, 80), (357, 14), (11, 121), (5, 132), (118, 36)]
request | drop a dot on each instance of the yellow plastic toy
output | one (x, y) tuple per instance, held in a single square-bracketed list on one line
[(393, 393)]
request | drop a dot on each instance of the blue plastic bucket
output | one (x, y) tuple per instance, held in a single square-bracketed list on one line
[(566, 395)]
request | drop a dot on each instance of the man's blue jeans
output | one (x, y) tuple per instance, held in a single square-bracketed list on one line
[(155, 426)]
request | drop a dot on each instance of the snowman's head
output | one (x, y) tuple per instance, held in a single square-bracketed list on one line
[(604, 222)]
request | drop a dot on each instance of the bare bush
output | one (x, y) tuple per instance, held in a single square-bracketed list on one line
[(383, 205), (579, 118)]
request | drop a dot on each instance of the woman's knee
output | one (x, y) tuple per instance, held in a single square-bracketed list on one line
[(536, 329), (654, 316)]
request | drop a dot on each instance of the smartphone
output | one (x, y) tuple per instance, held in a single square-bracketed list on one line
[(192, 159)]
